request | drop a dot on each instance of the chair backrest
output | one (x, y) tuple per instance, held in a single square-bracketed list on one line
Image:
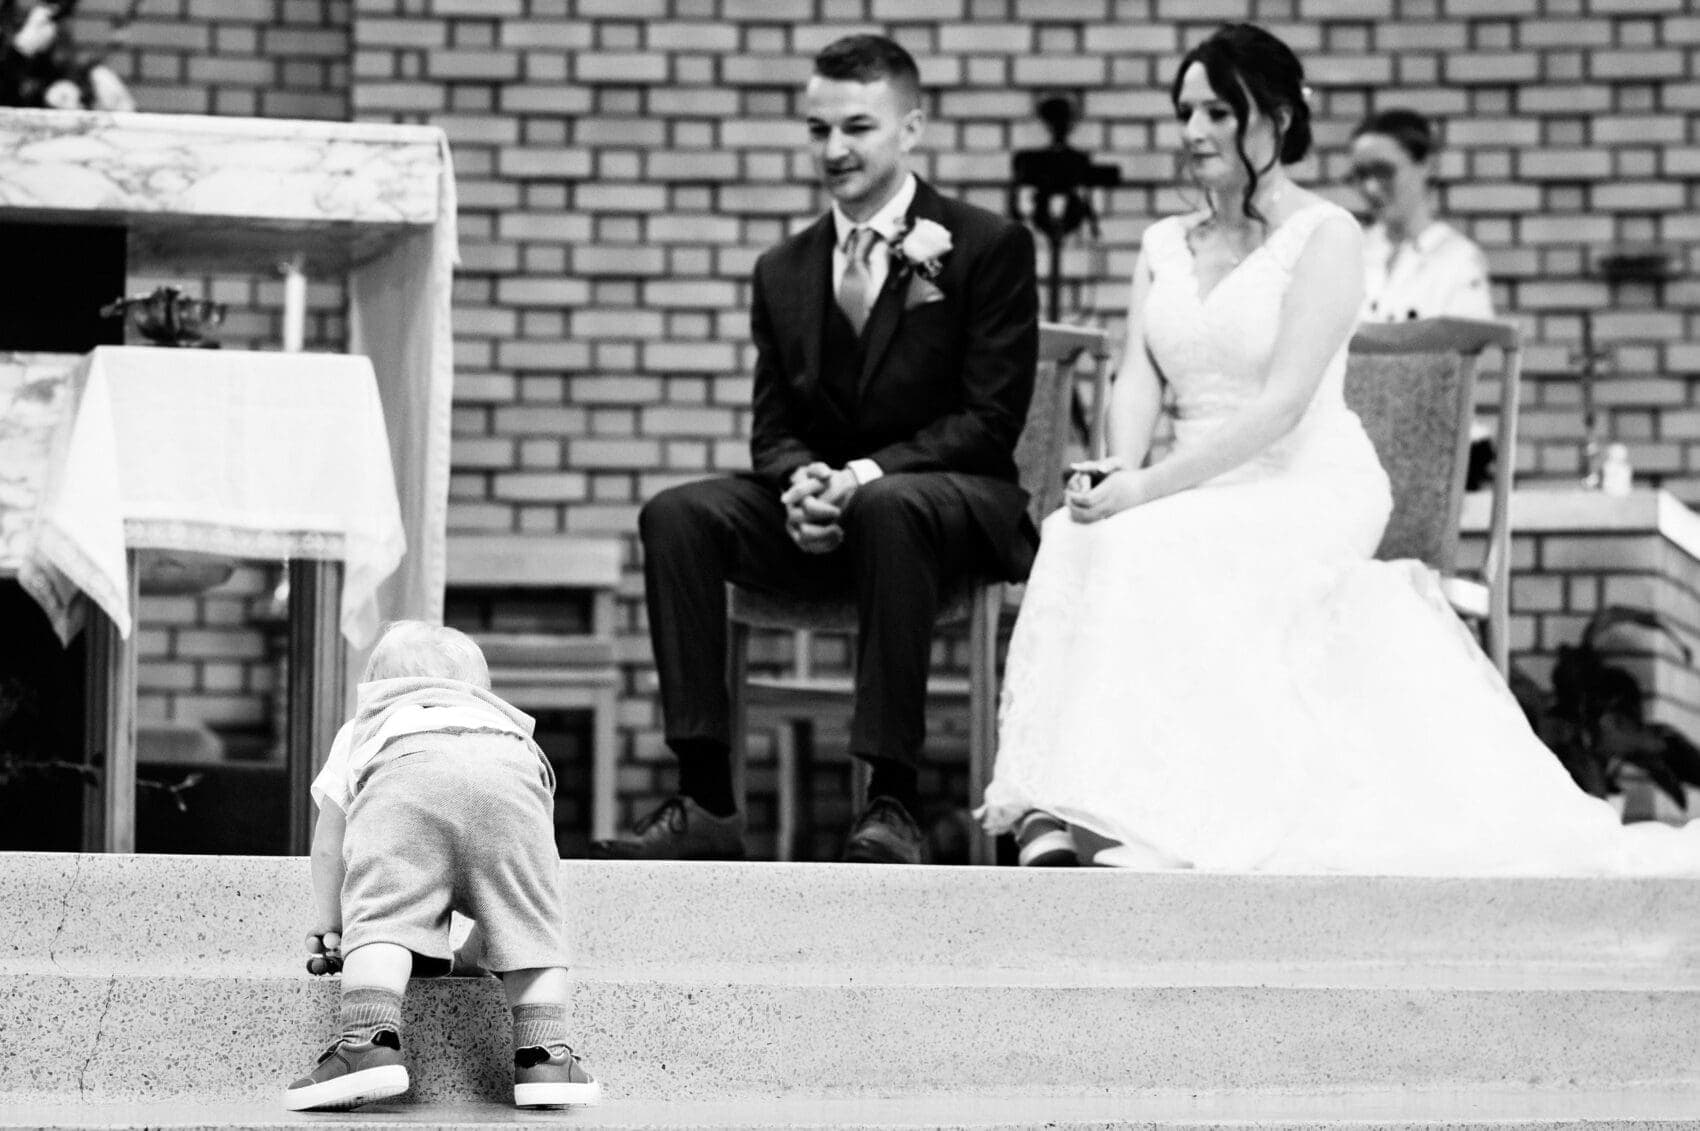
[(1413, 386), (1044, 438)]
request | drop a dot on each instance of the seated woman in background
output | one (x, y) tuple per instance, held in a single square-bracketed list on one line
[(1415, 266)]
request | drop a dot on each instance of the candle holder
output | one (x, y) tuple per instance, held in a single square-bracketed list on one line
[(168, 317), (1622, 263)]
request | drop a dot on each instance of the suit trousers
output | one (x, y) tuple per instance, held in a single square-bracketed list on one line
[(905, 536)]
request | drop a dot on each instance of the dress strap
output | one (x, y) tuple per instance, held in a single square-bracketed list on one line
[(1165, 244), (1288, 241)]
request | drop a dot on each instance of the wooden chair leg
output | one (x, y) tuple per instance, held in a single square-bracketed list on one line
[(803, 752), (1498, 629), (982, 707), (737, 676), (785, 789), (605, 764)]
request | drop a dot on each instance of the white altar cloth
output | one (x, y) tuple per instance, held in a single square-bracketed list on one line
[(243, 454)]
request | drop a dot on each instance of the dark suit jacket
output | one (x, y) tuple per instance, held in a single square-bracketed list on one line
[(944, 387)]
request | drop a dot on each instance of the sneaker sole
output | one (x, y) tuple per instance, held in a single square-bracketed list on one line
[(557, 1095), (1054, 849), (349, 1091)]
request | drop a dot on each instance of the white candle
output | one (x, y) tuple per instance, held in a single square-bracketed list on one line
[(294, 305)]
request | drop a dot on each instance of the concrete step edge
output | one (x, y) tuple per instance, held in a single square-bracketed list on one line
[(1402, 976), (1501, 1109)]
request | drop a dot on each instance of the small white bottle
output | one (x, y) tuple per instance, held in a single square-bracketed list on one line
[(1616, 476)]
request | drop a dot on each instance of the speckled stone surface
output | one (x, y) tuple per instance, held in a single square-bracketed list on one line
[(247, 914), (202, 914), (137, 978), (136, 1037)]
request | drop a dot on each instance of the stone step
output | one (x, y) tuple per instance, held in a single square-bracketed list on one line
[(247, 915), (230, 1037), (1622, 1109), (141, 978)]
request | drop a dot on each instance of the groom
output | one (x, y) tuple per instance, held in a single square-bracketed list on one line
[(895, 345)]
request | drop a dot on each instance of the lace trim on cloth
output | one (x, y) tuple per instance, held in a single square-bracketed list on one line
[(230, 541)]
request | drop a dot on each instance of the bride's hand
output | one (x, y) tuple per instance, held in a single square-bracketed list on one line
[(1120, 489)]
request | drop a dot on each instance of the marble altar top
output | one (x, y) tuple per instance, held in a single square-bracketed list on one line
[(338, 192)]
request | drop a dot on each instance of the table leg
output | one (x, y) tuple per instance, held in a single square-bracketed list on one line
[(317, 693), (109, 807)]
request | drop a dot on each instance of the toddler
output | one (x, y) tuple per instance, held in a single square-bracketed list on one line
[(434, 798)]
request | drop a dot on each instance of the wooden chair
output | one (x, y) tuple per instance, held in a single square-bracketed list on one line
[(547, 671), (800, 694), (1413, 385)]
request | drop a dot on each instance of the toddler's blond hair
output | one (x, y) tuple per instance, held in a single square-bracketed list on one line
[(414, 648)]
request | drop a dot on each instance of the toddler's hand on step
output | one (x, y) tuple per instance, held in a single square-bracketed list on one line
[(325, 947)]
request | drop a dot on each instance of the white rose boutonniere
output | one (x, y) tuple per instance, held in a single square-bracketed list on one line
[(919, 250)]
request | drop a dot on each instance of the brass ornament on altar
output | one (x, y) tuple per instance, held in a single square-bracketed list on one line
[(168, 317)]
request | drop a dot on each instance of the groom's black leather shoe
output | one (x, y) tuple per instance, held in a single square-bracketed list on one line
[(885, 833), (679, 829)]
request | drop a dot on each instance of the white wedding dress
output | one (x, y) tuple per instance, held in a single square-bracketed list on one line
[(1225, 679)]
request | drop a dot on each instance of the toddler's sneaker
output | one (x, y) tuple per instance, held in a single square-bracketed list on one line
[(351, 1073), (1045, 842), (552, 1077)]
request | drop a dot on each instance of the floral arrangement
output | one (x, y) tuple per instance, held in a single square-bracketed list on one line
[(919, 250), (40, 64)]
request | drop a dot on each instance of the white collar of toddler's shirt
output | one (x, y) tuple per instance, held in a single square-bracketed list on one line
[(888, 221)]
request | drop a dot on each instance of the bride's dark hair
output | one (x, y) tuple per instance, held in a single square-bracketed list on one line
[(1246, 65)]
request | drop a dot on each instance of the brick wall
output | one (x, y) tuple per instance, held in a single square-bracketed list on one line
[(622, 162)]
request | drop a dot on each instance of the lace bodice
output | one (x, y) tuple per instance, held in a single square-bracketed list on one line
[(1214, 349)]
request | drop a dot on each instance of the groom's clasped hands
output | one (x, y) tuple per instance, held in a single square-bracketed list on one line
[(813, 504)]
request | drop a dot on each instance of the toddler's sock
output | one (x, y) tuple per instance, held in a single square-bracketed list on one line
[(367, 1010), (539, 1026)]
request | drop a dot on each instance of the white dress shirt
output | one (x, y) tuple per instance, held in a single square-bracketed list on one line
[(1438, 273), (888, 221)]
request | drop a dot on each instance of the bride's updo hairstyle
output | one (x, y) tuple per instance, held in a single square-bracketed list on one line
[(1246, 66)]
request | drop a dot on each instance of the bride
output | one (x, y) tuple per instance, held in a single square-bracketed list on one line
[(1209, 669)]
